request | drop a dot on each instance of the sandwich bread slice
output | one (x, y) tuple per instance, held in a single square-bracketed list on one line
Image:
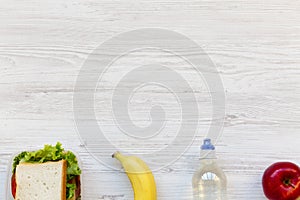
[(50, 173), (41, 181)]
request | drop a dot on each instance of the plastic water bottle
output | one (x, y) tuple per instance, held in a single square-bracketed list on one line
[(209, 181)]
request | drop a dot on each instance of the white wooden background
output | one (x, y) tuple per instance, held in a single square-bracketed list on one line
[(256, 45)]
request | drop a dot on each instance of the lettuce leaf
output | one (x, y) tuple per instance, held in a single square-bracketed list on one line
[(71, 188), (52, 153)]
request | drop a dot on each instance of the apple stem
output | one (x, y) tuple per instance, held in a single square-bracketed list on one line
[(287, 182), (291, 184)]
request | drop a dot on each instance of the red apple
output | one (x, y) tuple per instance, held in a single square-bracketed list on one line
[(281, 181)]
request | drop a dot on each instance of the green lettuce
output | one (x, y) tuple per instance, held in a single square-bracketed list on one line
[(71, 188), (52, 153)]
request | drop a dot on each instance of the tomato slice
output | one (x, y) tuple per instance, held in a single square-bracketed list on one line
[(13, 185)]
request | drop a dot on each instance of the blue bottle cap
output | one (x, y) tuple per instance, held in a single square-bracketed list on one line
[(207, 145)]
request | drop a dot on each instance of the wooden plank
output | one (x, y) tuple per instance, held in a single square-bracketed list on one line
[(255, 44)]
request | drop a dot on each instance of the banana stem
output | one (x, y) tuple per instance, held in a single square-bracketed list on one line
[(118, 156)]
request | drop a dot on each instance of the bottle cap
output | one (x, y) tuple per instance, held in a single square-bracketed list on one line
[(207, 145)]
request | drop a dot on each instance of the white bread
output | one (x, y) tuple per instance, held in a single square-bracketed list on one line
[(45, 181)]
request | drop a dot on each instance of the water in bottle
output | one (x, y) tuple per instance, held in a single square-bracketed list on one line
[(209, 181)]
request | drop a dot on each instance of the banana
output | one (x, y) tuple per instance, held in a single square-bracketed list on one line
[(140, 176)]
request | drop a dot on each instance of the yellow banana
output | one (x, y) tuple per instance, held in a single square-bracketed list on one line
[(140, 176)]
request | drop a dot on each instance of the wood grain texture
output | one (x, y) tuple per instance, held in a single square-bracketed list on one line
[(255, 44)]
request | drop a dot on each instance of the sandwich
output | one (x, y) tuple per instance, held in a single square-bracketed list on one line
[(50, 173)]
